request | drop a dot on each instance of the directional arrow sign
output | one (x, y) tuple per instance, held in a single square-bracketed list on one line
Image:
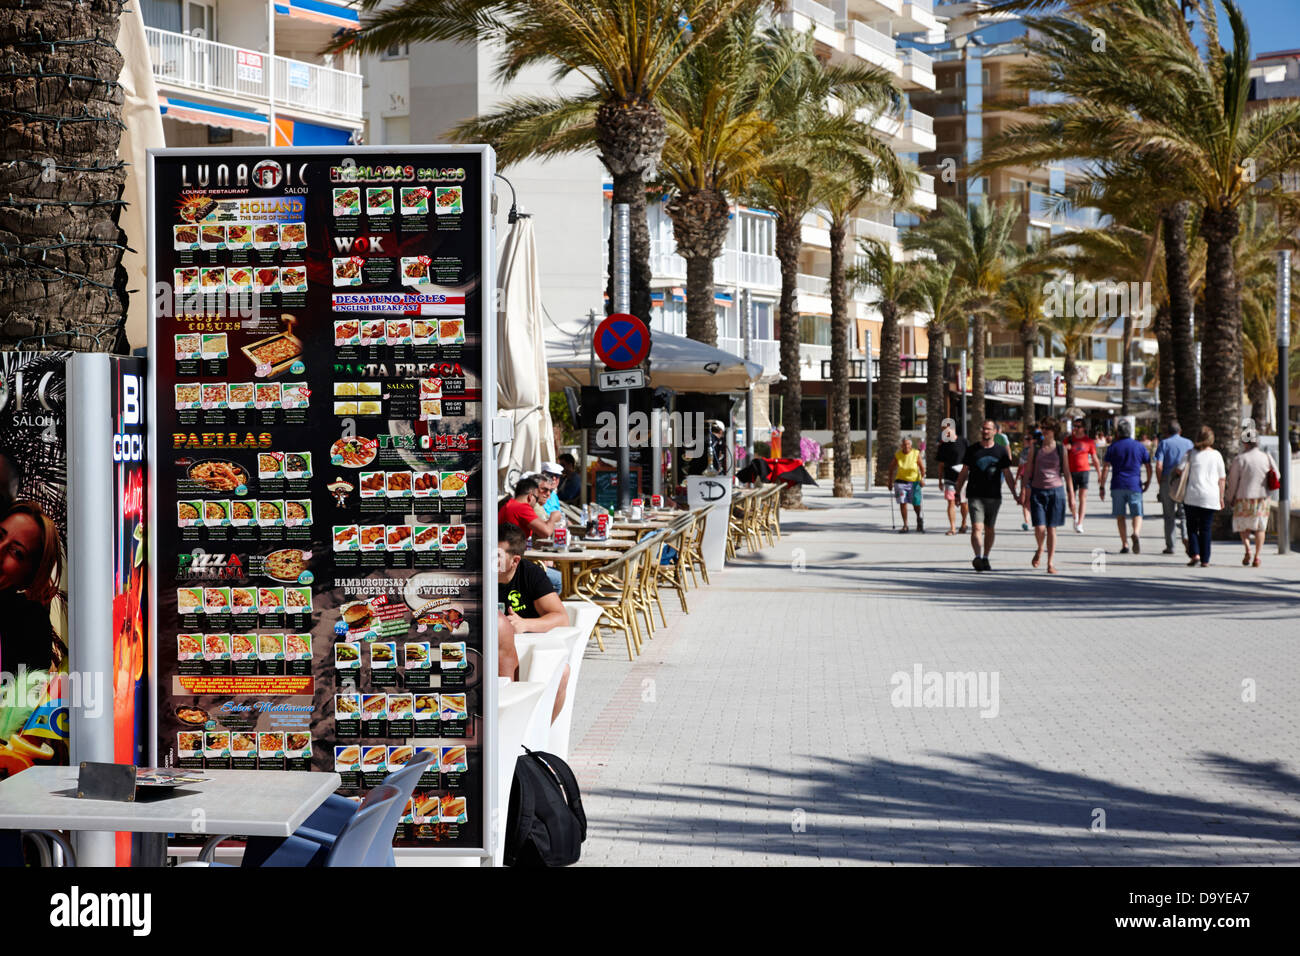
[(615, 381)]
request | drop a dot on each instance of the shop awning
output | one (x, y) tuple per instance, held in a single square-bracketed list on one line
[(321, 11), (1045, 400), (206, 114), (679, 363)]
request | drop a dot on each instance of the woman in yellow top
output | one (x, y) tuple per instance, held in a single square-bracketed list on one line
[(907, 476)]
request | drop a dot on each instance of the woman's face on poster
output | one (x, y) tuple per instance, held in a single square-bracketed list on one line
[(20, 540)]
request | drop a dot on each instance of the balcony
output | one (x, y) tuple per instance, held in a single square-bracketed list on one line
[(868, 43), (918, 69), (1041, 210), (912, 132), (765, 352), (733, 268), (870, 229), (189, 63)]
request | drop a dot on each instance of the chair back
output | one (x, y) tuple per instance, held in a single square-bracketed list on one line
[(405, 780), (365, 829)]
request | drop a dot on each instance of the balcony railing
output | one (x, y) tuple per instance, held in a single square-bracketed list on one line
[(872, 37), (765, 352), (917, 58), (732, 268), (869, 228), (814, 11), (224, 70)]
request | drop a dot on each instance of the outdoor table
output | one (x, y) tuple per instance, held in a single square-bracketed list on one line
[(642, 528), (231, 802), (568, 560), (621, 544)]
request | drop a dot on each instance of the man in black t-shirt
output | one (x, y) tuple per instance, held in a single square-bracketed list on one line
[(985, 466), (527, 603), (951, 454)]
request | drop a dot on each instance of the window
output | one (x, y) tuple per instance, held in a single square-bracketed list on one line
[(1018, 186), (815, 329), (397, 51), (758, 234), (812, 415), (763, 328), (220, 137)]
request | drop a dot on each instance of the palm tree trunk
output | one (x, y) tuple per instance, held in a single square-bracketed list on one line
[(701, 316), (891, 391), (1181, 304), (1257, 391), (976, 399), (789, 239), (936, 407), (1168, 387), (700, 221), (1028, 333), (60, 244), (1221, 367), (630, 188), (1126, 366), (843, 464), (1069, 375)]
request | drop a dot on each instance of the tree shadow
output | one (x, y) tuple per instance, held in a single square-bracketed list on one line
[(986, 810)]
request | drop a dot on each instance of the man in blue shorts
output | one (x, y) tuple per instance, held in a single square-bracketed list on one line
[(1127, 457)]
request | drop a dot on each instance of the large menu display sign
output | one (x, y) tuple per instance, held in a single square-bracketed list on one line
[(321, 383)]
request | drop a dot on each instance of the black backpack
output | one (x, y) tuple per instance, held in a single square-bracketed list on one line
[(545, 825)]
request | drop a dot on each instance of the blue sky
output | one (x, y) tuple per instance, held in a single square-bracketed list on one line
[(1274, 24)]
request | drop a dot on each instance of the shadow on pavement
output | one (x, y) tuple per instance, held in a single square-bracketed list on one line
[(985, 810)]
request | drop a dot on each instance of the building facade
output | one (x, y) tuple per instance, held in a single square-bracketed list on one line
[(250, 72)]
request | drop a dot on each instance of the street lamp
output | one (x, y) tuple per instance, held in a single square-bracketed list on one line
[(1283, 401)]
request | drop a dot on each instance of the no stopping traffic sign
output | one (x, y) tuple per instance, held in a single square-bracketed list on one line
[(622, 341)]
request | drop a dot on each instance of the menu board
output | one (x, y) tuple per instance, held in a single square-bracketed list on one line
[(321, 383)]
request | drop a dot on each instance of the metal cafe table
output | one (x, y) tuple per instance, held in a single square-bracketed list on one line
[(234, 802)]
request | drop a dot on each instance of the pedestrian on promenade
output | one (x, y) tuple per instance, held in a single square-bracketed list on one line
[(1248, 492), (907, 477), (1203, 495), (986, 465), (1170, 454), (1083, 458), (1046, 487), (1127, 456), (951, 453), (1026, 452)]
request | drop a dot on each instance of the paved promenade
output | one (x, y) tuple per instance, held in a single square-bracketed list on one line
[(1129, 710)]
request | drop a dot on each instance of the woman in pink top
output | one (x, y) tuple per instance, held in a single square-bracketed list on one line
[(1047, 489)]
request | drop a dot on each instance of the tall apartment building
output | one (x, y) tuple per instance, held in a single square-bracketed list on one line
[(975, 98), (250, 72)]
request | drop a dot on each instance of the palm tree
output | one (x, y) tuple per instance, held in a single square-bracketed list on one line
[(624, 50), (1074, 330), (978, 240), (717, 138), (947, 302), (1260, 237), (1022, 301), (897, 285), (844, 188), (1151, 91), (60, 286), (808, 134)]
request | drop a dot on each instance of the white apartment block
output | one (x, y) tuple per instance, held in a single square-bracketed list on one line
[(250, 72)]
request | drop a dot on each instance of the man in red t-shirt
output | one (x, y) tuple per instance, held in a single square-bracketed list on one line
[(521, 511), (1083, 458)]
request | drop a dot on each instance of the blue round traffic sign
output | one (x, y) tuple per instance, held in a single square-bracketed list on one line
[(622, 341)]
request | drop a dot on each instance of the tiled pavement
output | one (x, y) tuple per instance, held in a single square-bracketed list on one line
[(762, 727)]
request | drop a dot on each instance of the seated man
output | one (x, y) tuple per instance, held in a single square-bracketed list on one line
[(570, 489), (521, 512), (549, 483), (530, 604)]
